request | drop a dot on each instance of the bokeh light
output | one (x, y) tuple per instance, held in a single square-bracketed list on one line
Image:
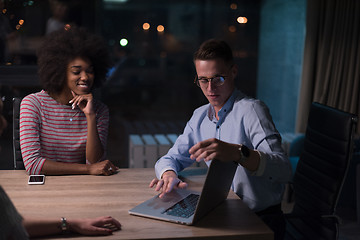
[(146, 26), (67, 27), (160, 28), (232, 28), (124, 42), (242, 20), (233, 6)]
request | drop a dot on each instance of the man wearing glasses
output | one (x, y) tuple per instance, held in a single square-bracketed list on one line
[(232, 127)]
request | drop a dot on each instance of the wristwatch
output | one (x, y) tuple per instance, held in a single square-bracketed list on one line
[(64, 226), (244, 153)]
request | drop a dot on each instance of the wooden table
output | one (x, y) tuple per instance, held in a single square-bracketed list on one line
[(92, 196)]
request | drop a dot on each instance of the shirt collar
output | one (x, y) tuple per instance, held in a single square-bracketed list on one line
[(224, 110)]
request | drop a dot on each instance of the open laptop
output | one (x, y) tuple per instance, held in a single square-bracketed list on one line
[(186, 207)]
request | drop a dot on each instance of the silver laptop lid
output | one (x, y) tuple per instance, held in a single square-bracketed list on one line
[(216, 187)]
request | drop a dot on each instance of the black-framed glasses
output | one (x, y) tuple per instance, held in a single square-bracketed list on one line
[(215, 81)]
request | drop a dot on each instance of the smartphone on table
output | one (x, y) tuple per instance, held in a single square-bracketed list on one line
[(36, 179)]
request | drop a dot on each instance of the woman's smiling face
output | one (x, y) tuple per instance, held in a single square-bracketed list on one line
[(80, 76)]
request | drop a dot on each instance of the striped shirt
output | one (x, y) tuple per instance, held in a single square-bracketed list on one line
[(56, 132)]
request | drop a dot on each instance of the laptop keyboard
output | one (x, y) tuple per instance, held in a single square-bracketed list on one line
[(185, 208)]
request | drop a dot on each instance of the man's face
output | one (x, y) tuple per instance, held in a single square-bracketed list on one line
[(216, 95)]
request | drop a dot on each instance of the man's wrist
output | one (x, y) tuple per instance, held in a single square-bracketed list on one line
[(169, 171), (244, 153)]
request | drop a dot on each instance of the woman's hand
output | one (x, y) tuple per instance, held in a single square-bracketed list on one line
[(85, 226), (94, 226), (102, 168), (84, 102)]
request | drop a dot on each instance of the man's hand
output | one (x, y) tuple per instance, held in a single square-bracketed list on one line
[(167, 183), (102, 168), (214, 149), (97, 226)]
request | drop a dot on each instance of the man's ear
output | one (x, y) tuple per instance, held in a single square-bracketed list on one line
[(234, 70)]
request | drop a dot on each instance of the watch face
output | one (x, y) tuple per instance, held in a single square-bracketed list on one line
[(245, 151)]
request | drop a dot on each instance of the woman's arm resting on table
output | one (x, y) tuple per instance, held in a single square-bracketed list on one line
[(93, 226), (58, 168)]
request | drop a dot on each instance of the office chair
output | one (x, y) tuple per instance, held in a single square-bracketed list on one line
[(18, 161), (320, 173), (295, 149)]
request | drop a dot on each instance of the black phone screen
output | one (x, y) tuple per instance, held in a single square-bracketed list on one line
[(36, 179)]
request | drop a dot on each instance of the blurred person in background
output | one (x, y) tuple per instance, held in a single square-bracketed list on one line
[(59, 10)]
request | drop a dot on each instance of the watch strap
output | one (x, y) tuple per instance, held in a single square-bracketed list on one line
[(244, 153), (64, 225)]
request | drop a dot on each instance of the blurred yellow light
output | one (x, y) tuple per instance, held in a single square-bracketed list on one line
[(146, 26), (67, 27), (233, 6), (21, 22), (160, 28), (4, 10), (232, 29), (242, 20), (18, 27)]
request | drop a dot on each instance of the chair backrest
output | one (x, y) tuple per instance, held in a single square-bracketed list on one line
[(18, 161), (322, 167)]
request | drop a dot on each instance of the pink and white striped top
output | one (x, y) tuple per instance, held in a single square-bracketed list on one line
[(56, 132)]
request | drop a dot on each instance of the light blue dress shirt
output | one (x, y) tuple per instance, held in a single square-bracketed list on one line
[(242, 120)]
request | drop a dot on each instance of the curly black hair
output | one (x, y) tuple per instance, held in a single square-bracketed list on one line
[(63, 46)]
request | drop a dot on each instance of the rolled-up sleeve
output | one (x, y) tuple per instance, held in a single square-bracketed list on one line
[(274, 163)]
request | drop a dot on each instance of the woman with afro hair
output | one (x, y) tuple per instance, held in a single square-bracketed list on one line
[(63, 129)]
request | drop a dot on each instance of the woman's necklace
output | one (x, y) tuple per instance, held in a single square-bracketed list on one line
[(56, 98), (72, 117)]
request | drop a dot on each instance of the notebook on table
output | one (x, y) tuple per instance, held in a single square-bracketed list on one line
[(185, 206)]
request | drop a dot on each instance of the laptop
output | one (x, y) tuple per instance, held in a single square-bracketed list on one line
[(187, 207)]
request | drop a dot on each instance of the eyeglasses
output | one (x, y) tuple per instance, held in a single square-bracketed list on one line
[(215, 81)]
